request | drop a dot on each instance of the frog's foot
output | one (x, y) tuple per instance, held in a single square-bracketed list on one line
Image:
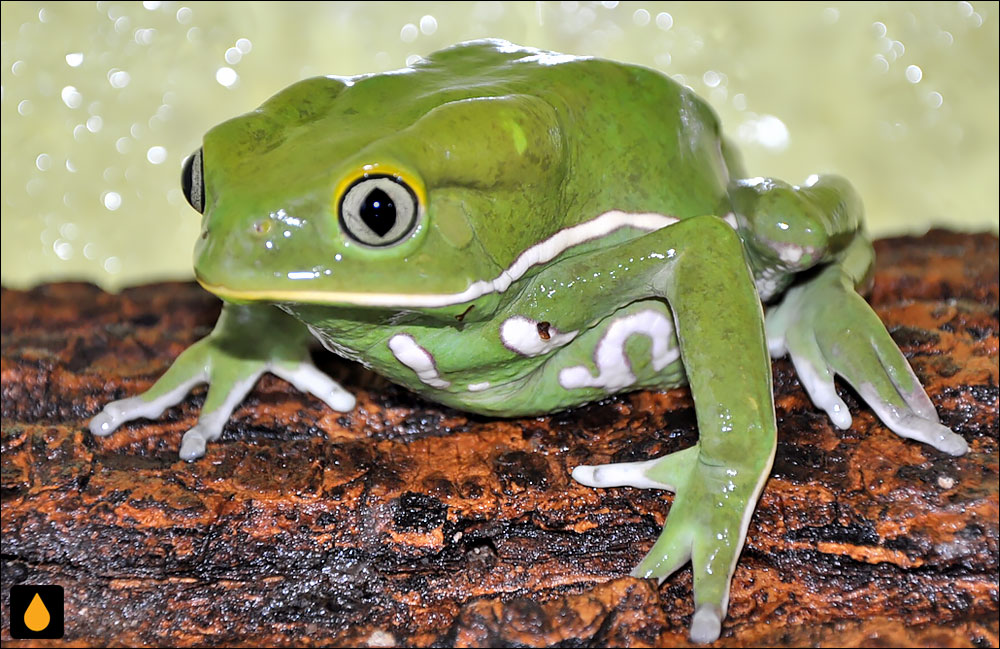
[(229, 383), (828, 330), (231, 366), (707, 524)]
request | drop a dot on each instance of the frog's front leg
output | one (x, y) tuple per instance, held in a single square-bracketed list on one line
[(720, 328), (246, 342)]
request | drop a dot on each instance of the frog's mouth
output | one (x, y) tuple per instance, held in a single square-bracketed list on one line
[(350, 298), (536, 255)]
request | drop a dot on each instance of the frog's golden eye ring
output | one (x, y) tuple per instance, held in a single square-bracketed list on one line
[(193, 181), (378, 210)]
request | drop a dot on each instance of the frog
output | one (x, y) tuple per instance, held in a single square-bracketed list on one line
[(513, 232)]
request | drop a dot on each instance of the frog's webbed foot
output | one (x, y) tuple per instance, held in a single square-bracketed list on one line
[(828, 330), (707, 524), (231, 360)]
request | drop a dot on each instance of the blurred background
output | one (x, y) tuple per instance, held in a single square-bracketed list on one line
[(102, 101)]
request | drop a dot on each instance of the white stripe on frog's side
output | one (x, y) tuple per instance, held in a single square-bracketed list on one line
[(523, 336), (409, 353), (538, 254), (614, 371), (479, 387)]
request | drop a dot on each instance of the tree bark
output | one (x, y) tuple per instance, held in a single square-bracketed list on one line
[(407, 523)]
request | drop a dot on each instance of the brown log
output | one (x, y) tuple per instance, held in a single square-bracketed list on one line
[(407, 523)]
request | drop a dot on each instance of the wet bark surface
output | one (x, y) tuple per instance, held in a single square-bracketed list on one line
[(406, 523)]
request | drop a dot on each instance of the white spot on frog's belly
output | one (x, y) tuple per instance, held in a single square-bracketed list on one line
[(614, 372), (409, 353), (521, 335)]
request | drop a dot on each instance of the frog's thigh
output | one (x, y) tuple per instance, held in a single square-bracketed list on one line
[(799, 225)]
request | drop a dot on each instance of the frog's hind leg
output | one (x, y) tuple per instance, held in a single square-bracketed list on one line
[(828, 329), (874, 366)]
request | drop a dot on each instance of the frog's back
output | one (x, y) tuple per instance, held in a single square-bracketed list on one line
[(635, 140)]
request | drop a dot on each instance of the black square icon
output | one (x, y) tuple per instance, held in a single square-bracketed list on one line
[(36, 612)]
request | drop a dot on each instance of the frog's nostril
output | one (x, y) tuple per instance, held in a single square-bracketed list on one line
[(204, 234), (261, 226)]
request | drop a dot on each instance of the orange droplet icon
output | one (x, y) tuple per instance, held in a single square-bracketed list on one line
[(36, 617)]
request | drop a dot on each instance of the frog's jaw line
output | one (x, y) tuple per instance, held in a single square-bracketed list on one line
[(540, 253), (614, 370), (520, 335), (409, 353)]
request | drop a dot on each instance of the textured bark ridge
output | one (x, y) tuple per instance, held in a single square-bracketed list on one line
[(406, 523)]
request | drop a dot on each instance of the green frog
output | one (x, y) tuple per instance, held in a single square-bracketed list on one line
[(513, 232)]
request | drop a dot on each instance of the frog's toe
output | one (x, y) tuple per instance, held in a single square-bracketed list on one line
[(193, 443), (220, 402), (623, 474), (113, 415), (816, 376), (673, 547), (706, 624), (306, 377), (818, 384), (671, 551), (902, 375), (708, 544), (659, 473), (911, 425), (883, 378), (148, 405)]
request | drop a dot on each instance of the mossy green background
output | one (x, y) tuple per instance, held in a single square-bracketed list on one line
[(102, 101)]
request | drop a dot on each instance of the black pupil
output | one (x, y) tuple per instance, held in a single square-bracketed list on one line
[(378, 212), (187, 178)]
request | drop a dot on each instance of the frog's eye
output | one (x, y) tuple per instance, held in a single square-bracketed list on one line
[(193, 181), (378, 210)]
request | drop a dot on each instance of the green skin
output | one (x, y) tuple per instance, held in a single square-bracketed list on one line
[(582, 163)]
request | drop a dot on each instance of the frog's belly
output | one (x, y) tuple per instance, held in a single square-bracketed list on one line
[(635, 347)]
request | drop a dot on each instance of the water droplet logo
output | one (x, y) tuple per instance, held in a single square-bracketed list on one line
[(37, 616), (36, 611)]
